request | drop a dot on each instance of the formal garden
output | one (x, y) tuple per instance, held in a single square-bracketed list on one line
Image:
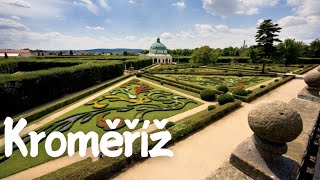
[(132, 100)]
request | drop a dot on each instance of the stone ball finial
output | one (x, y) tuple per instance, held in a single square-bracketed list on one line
[(275, 122), (313, 80)]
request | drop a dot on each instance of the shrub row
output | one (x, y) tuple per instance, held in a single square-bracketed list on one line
[(43, 111), (138, 63), (261, 91), (229, 73), (108, 167), (185, 84), (305, 70), (12, 66), (20, 92), (178, 85)]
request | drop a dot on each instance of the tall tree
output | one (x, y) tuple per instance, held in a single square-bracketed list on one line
[(266, 36), (290, 50), (6, 55), (204, 55), (71, 53), (315, 48)]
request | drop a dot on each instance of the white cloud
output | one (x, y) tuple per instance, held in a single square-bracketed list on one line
[(167, 35), (225, 8), (130, 38), (17, 18), (11, 24), (88, 4), (305, 7), (104, 4), (97, 28), (32, 8), (132, 2), (19, 3), (180, 4), (304, 24)]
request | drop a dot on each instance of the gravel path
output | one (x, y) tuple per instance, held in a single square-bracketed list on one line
[(201, 154)]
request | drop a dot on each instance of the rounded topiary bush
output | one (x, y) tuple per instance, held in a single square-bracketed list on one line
[(211, 107), (139, 74), (208, 95), (240, 92), (169, 124), (262, 86), (276, 80), (223, 88), (249, 91), (225, 98)]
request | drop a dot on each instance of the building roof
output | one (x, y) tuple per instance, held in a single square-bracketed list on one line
[(158, 46), (14, 51)]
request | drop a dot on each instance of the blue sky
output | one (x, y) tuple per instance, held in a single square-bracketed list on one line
[(88, 24)]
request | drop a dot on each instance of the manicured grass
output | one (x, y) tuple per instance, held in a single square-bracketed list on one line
[(106, 168), (214, 81), (17, 163), (197, 95)]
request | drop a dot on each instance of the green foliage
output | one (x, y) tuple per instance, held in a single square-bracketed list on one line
[(249, 91), (262, 86), (290, 50), (225, 98), (276, 80), (37, 87), (223, 88), (315, 49), (211, 107), (169, 124), (108, 167), (204, 55), (208, 95), (266, 36), (139, 74), (240, 92)]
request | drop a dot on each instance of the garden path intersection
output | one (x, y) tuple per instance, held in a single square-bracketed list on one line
[(197, 156)]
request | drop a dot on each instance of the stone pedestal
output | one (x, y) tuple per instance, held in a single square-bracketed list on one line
[(248, 159), (310, 95)]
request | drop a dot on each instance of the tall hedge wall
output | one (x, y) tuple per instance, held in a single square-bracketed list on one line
[(20, 92), (12, 66), (138, 63)]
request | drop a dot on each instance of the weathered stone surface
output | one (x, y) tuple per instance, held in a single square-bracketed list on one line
[(275, 122), (309, 112), (313, 80), (248, 159), (311, 95)]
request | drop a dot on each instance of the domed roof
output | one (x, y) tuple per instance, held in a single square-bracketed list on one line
[(158, 46)]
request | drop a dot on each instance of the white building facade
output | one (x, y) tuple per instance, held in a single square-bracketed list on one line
[(159, 53)]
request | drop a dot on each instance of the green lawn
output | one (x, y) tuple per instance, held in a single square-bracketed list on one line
[(162, 105), (214, 81)]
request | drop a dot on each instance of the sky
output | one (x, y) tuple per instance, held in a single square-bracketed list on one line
[(89, 24)]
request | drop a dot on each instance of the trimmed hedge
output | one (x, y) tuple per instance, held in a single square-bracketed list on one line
[(169, 124), (261, 91), (240, 92), (225, 98), (12, 66), (43, 111), (21, 92), (208, 95), (211, 107), (305, 70), (108, 167), (223, 88), (138, 63), (171, 83)]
